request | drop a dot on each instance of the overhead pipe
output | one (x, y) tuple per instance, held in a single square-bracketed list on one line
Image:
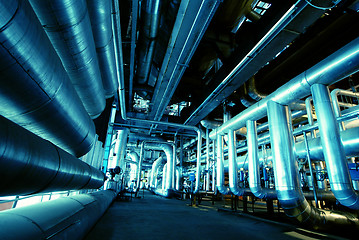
[(122, 102), (147, 38), (337, 66), (36, 92), (67, 24), (191, 23), (155, 166), (287, 183), (64, 218), (100, 16), (30, 164), (254, 176), (333, 149)]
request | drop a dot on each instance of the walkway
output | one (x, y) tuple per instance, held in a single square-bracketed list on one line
[(154, 217)]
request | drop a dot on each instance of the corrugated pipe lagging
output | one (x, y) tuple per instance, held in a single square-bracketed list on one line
[(35, 90), (64, 218), (30, 164), (67, 25), (100, 16)]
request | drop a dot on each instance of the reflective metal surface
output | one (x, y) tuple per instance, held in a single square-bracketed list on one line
[(220, 169), (67, 24), (155, 166), (64, 218), (100, 16), (35, 91), (333, 149), (30, 165), (340, 64)]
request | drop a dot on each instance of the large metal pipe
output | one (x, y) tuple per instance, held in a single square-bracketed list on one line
[(100, 16), (220, 168), (286, 170), (35, 91), (170, 151), (67, 24), (121, 147), (147, 39), (333, 149), (64, 218), (232, 163), (30, 164), (155, 166), (337, 66), (135, 159), (253, 164)]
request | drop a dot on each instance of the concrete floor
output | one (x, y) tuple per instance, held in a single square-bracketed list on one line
[(154, 217)]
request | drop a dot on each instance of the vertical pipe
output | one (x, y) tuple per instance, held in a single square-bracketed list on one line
[(333, 149), (232, 164), (220, 168), (309, 109), (214, 171), (207, 160), (164, 177)]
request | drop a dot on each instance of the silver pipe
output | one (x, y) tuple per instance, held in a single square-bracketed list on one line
[(30, 164), (100, 16), (233, 171), (170, 151), (337, 66), (220, 169), (192, 20), (178, 179), (334, 95), (56, 219), (207, 160), (155, 166), (309, 109), (253, 164), (67, 24), (164, 176), (121, 150), (286, 174), (36, 92), (333, 149), (134, 16), (135, 158), (147, 39)]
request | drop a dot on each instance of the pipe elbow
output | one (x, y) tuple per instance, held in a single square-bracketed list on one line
[(223, 190), (347, 197)]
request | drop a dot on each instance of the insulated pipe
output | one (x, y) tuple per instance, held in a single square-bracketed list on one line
[(147, 39), (30, 164), (337, 66), (100, 16), (253, 164), (207, 160), (64, 218), (178, 179), (35, 91), (135, 158), (220, 168), (334, 95), (170, 151), (121, 149), (333, 149), (232, 163), (286, 174), (155, 166), (67, 24), (164, 176)]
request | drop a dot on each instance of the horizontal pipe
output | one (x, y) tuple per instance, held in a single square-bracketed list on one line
[(100, 16), (30, 164), (64, 218), (337, 66), (35, 91), (68, 26)]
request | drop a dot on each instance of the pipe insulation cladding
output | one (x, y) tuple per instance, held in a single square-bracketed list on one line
[(64, 218), (30, 164), (35, 91), (68, 26)]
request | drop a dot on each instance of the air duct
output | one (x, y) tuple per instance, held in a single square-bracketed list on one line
[(30, 164), (35, 91), (100, 16), (333, 149), (287, 181), (67, 24), (63, 218)]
